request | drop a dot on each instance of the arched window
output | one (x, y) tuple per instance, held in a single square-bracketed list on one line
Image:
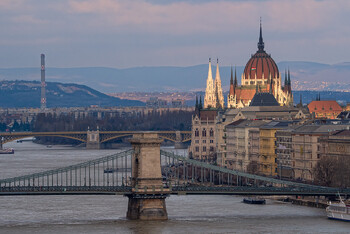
[(211, 133), (204, 132), (196, 133)]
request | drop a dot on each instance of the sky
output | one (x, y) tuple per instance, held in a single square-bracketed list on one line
[(130, 33)]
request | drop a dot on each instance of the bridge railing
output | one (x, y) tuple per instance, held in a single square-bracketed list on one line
[(111, 170), (187, 170)]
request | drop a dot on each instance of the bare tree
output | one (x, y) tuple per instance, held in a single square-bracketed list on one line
[(333, 171)]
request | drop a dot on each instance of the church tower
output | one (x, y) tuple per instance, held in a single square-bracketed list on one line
[(218, 89), (209, 98)]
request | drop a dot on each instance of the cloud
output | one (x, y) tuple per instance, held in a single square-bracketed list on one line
[(180, 17), (11, 4), (29, 19), (175, 32)]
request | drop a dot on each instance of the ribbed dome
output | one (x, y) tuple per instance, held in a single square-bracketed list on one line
[(261, 64)]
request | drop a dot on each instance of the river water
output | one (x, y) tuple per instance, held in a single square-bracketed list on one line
[(106, 214)]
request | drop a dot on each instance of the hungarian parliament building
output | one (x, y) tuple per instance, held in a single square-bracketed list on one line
[(261, 74)]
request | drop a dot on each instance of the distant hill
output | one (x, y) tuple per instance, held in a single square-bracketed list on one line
[(27, 94), (305, 76)]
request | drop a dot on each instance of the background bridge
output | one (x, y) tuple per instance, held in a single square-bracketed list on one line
[(93, 139)]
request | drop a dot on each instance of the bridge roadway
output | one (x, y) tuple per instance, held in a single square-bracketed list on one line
[(176, 190)]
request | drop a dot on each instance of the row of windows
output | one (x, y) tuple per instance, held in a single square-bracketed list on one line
[(205, 148), (204, 141), (204, 132)]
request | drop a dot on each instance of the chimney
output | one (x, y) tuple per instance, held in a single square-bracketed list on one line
[(43, 84)]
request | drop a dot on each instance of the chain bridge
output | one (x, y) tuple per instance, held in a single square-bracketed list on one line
[(93, 139), (147, 175)]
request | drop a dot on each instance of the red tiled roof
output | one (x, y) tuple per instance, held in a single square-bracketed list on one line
[(325, 109), (324, 106), (245, 94)]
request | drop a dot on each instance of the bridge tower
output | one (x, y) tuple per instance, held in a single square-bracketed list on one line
[(178, 141), (93, 139), (147, 201)]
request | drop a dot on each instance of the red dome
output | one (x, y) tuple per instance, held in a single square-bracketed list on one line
[(261, 63)]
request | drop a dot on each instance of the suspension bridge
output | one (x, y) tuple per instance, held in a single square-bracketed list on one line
[(147, 175)]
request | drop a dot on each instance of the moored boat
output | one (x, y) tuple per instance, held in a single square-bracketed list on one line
[(254, 200), (112, 170), (338, 211), (7, 151)]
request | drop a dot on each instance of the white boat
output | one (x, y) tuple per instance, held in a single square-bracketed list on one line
[(339, 211), (7, 151)]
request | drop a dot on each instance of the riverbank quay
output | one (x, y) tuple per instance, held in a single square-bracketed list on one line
[(317, 202)]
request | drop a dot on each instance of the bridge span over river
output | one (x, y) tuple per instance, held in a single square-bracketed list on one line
[(147, 175), (94, 139)]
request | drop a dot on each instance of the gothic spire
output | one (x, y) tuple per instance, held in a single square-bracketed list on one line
[(285, 78), (232, 88), (217, 74), (210, 89), (236, 83), (200, 102), (196, 101), (289, 83), (261, 42), (217, 88), (210, 74)]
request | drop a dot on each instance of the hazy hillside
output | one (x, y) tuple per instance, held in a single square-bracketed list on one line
[(27, 94), (305, 76)]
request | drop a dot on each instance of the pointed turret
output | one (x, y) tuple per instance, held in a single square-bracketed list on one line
[(200, 107), (218, 90), (231, 95), (289, 83), (261, 41), (232, 91), (235, 83), (285, 88), (209, 99), (196, 109)]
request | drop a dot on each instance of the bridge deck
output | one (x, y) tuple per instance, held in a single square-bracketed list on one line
[(190, 190)]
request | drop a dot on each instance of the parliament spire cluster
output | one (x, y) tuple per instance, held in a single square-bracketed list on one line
[(213, 93), (261, 75)]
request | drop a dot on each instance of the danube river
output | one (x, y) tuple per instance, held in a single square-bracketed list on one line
[(106, 214)]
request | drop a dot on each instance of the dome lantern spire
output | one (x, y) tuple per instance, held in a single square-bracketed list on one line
[(261, 42)]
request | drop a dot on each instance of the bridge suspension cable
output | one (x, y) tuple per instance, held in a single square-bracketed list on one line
[(112, 172)]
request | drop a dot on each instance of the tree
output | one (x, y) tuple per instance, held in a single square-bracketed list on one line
[(333, 171)]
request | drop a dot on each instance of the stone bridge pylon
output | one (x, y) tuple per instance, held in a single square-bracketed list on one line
[(147, 200)]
